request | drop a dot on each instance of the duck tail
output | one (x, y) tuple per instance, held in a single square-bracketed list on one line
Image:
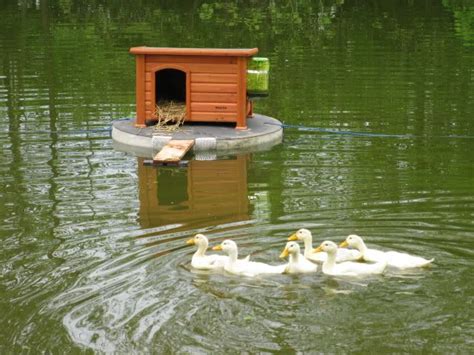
[(428, 263)]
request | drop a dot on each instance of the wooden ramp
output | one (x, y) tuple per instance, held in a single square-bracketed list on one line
[(173, 152)]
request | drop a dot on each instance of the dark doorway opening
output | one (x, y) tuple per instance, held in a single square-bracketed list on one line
[(170, 85)]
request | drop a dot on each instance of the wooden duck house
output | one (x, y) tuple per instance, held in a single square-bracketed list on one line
[(211, 83)]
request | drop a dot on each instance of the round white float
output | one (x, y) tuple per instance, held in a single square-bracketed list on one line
[(263, 132)]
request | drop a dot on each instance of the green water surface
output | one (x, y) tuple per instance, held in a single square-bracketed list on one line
[(93, 255)]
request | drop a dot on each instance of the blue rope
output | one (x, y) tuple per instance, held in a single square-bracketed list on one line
[(360, 134), (282, 125)]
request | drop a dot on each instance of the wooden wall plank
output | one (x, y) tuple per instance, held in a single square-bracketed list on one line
[(140, 90), (213, 97), (201, 87), (197, 68), (209, 68), (214, 78), (213, 116), (213, 107), (242, 94), (190, 59)]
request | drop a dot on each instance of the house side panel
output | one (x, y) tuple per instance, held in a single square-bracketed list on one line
[(213, 86)]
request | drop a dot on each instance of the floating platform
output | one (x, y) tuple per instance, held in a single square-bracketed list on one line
[(262, 133)]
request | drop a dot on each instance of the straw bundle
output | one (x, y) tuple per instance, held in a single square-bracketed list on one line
[(170, 115)]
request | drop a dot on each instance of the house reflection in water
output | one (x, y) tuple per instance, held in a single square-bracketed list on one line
[(203, 193)]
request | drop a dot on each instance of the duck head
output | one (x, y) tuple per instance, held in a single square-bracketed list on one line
[(301, 234), (353, 241), (200, 240), (291, 248), (326, 246), (227, 246)]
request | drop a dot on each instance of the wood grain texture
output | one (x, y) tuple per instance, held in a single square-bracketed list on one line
[(140, 91), (217, 88), (215, 52), (210, 68), (213, 116), (242, 94), (215, 82), (213, 97), (174, 151), (213, 107), (179, 59), (197, 68), (214, 78)]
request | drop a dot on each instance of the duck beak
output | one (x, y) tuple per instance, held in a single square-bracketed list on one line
[(284, 253), (318, 249), (190, 241), (344, 244), (217, 248), (293, 237)]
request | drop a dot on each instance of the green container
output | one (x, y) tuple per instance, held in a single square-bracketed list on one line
[(257, 76)]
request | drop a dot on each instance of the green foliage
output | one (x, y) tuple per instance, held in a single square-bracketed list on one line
[(318, 50), (463, 11)]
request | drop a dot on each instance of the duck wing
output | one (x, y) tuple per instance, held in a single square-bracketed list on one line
[(217, 260), (406, 261), (357, 269), (262, 268), (344, 254), (319, 257), (208, 262)]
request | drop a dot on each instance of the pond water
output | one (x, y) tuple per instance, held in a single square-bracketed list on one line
[(93, 254)]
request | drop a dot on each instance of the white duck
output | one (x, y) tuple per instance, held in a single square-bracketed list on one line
[(347, 268), (393, 258), (307, 238), (298, 263), (243, 266), (202, 261)]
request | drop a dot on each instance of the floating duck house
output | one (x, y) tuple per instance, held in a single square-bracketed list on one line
[(212, 83), (212, 89)]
